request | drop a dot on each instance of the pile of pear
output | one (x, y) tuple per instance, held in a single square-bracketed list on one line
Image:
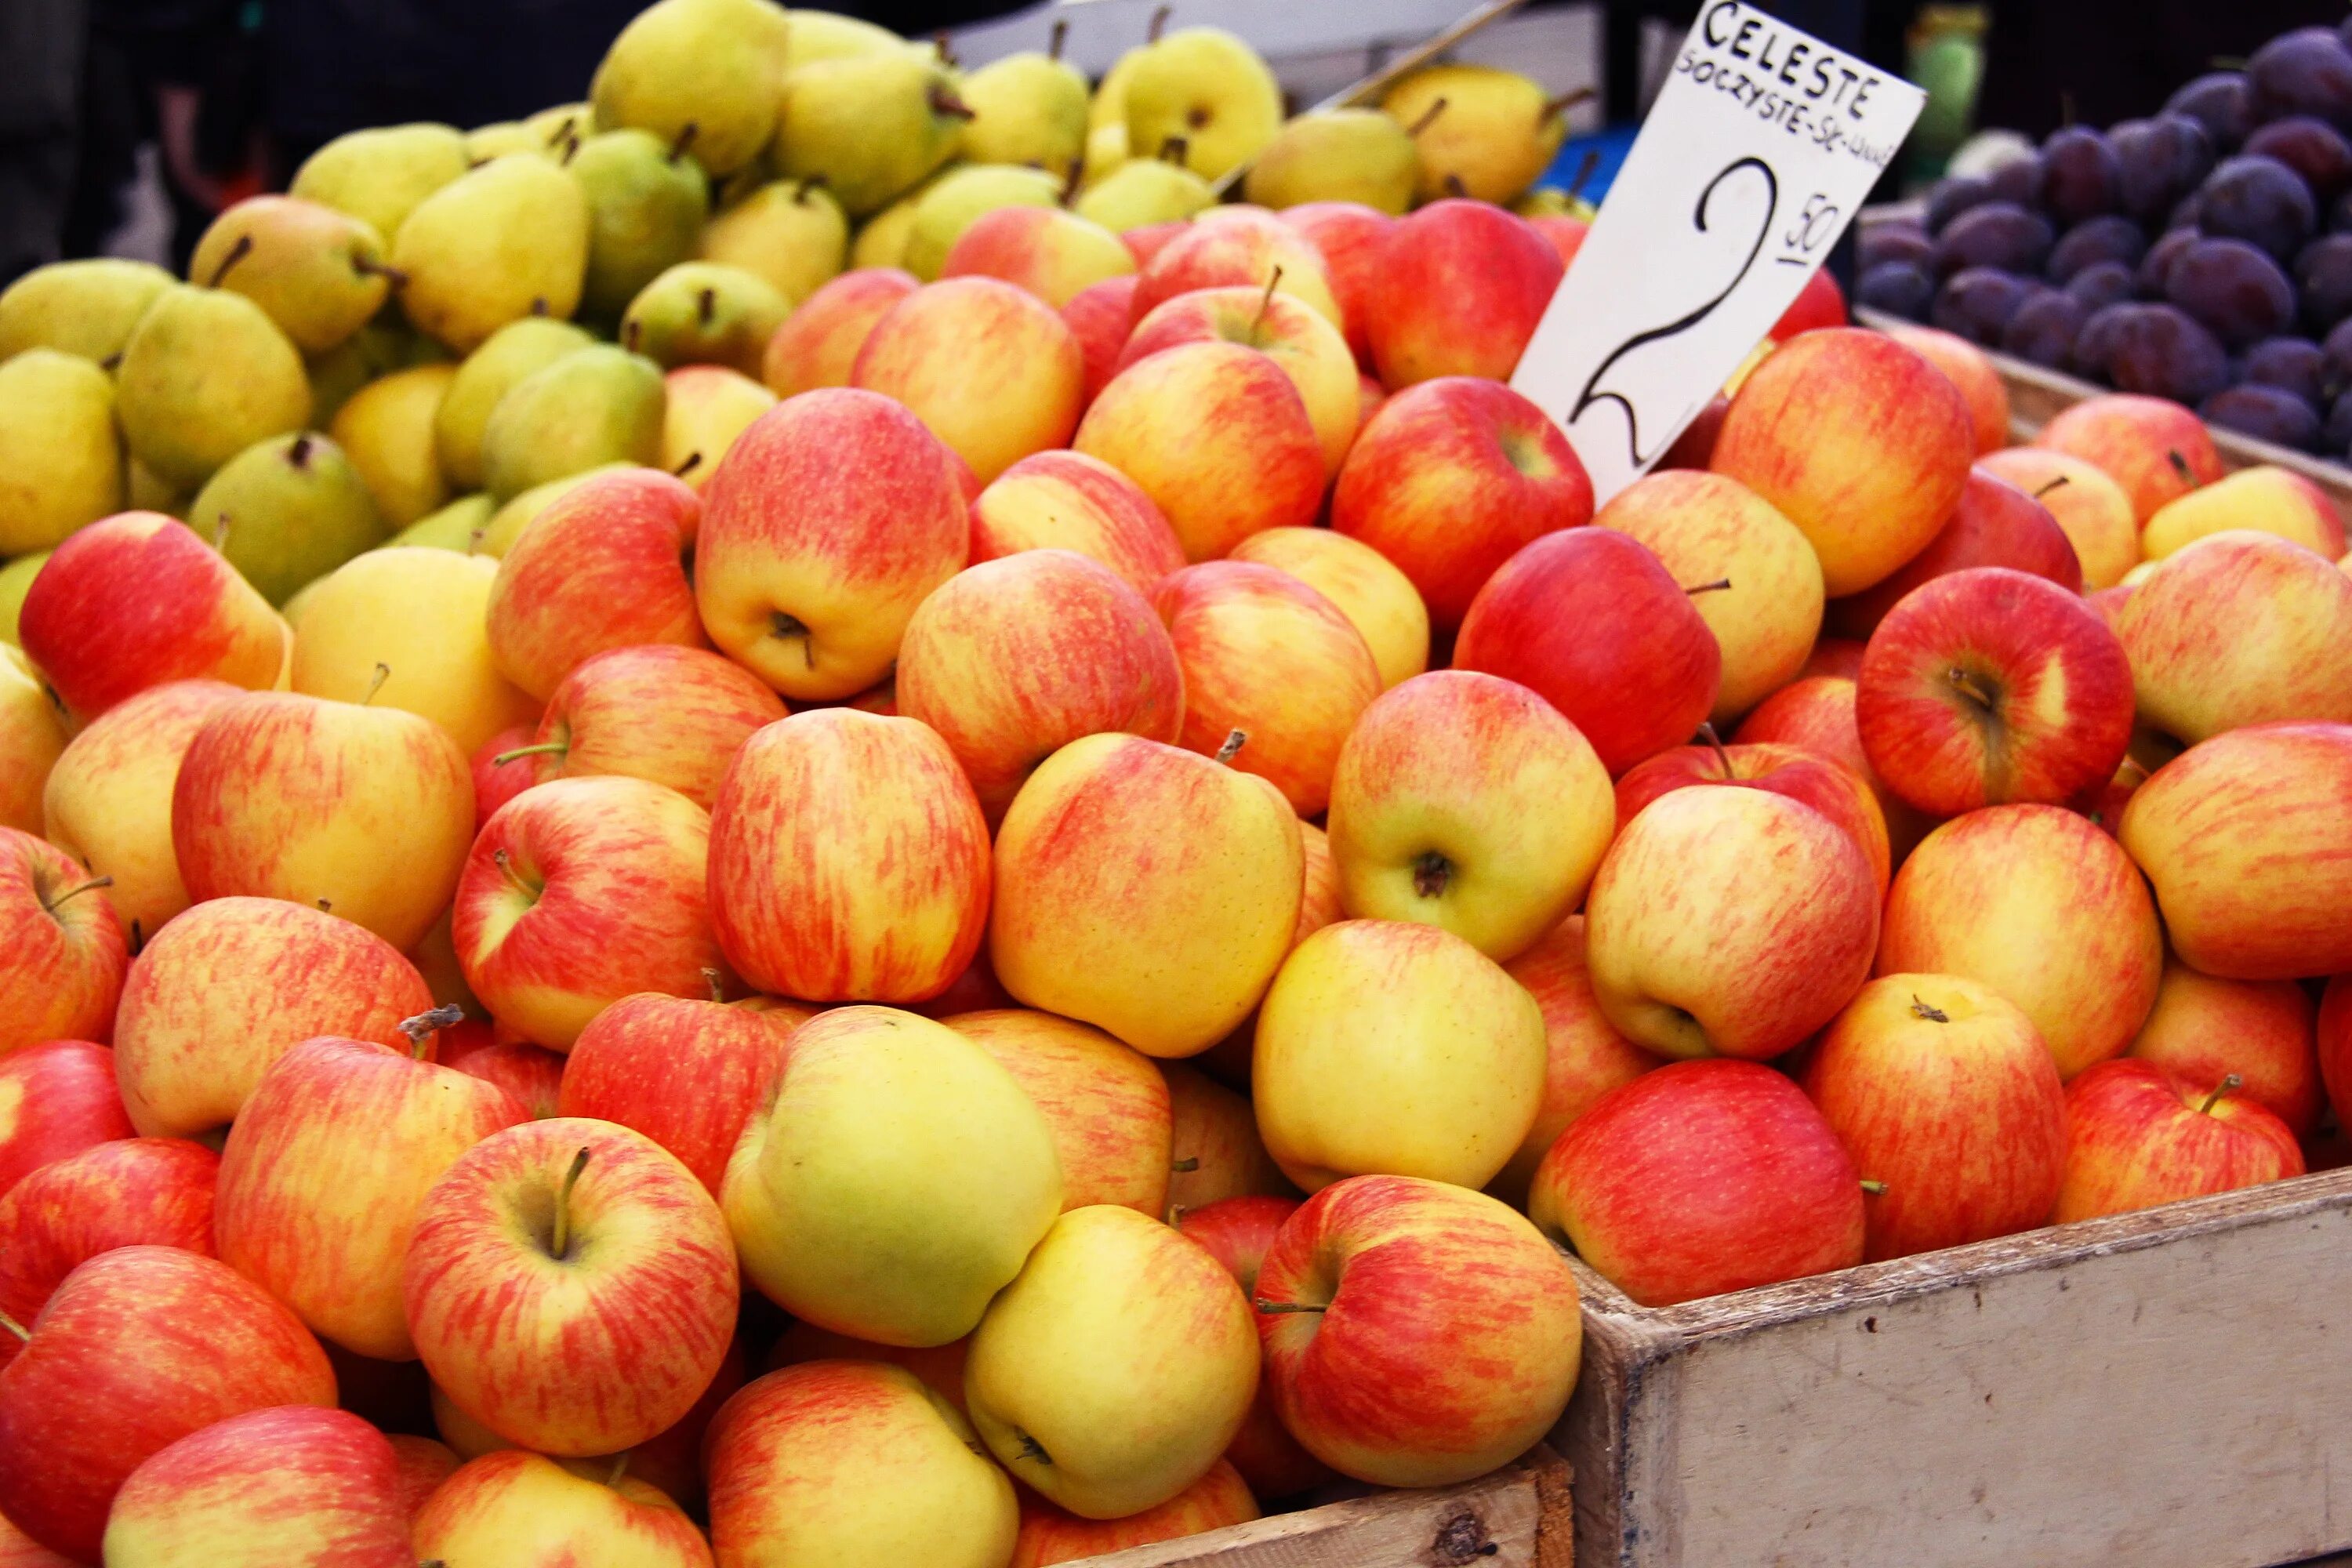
[(435, 331)]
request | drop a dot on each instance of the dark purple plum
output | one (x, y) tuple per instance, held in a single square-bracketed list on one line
[(1953, 197), (2340, 215), (2266, 413), (2306, 71), (2184, 213), (1978, 302), (2162, 160), (2159, 260), (2323, 276), (2258, 200), (2337, 347), (2104, 283), (2094, 345), (2018, 179), (2081, 176), (2160, 351), (1892, 242), (2233, 289), (2217, 100), (1898, 288), (2043, 328), (2108, 237), (2336, 435), (1996, 233), (2311, 147), (2293, 365)]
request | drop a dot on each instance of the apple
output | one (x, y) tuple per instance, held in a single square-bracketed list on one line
[(1766, 607), (838, 1461), (62, 954), (533, 1074), (1820, 304), (1699, 1178), (233, 984), (1989, 686), (1829, 787), (195, 618), (2246, 841), (1839, 657), (1219, 438), (1144, 890), (1816, 713), (1349, 236), (671, 1459), (818, 342), (114, 1371), (522, 1510), (848, 861), (1458, 289), (1050, 252), (1067, 500), (1466, 801), (2090, 508), (834, 516), (1856, 440), (1308, 347), (1728, 922), (1415, 1334), (1263, 654), (32, 735), (1450, 478), (2138, 1136), (1146, 240), (57, 1098), (2038, 903), (2203, 1030), (1012, 659), (570, 1286), (1378, 601), (940, 1367), (2333, 1033), (1105, 1104), (363, 812), (1695, 445), (1051, 1534), (674, 716), (503, 767), (1111, 1374), (265, 1490), (1595, 624), (1098, 315), (686, 1073), (893, 1180), (2239, 628), (132, 1192), (1238, 1232), (2153, 447), (1995, 524), (993, 370), (606, 565), (423, 1464), (1218, 1154), (2264, 499), (18, 1550), (1238, 247), (1950, 1104), (107, 801), (1964, 364), (1584, 1056)]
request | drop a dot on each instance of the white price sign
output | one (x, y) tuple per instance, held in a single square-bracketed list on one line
[(1752, 161)]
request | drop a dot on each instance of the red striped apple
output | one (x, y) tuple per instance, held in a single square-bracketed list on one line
[(1995, 524), (2152, 446), (2240, 629), (940, 1367), (1214, 1136), (1291, 333), (1816, 713), (829, 521), (1050, 252), (1350, 234), (265, 1490), (2090, 508), (533, 1074), (1098, 315), (2138, 1136), (1238, 1233), (1378, 601), (18, 1550), (1966, 365), (1050, 1534), (521, 1510), (62, 953), (674, 716), (57, 1098), (570, 1286), (1459, 290), (424, 1463), (993, 370), (135, 1191), (819, 340), (1067, 500), (1105, 1104), (1834, 791), (1415, 1334), (2202, 1030), (1243, 248), (1584, 1056), (499, 775)]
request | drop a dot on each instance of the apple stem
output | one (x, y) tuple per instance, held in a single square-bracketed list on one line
[(1565, 101), (563, 1237), (15, 1327), (1234, 740), (620, 1463), (299, 453), (1061, 33), (2056, 484), (946, 104), (2179, 465), (706, 306), (1428, 118), (686, 135), (474, 539), (543, 748), (383, 674), (2221, 1089), (1933, 1014), (77, 891), (1717, 586), (1186, 1165), (1158, 24), (1271, 1308), (1970, 686), (1875, 1189), (237, 253), (1432, 873), (710, 977), (1264, 303), (421, 1029), (505, 862), (1722, 754)]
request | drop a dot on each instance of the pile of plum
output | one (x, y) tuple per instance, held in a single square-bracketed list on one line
[(2204, 255)]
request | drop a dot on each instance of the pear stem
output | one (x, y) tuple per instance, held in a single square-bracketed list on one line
[(561, 1239), (383, 674), (686, 135), (1158, 24), (711, 977), (77, 891), (1428, 117), (1061, 36), (1172, 150), (944, 102), (2053, 484), (1584, 173), (395, 277), (621, 1460), (237, 253), (693, 461), (1272, 1307), (1264, 303), (15, 1327), (1234, 740), (1455, 188), (940, 42), (2221, 1089), (299, 453), (421, 1029), (706, 306), (543, 748), (1722, 754), (1565, 101), (1717, 586)]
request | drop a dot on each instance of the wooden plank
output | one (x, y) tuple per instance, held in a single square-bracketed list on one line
[(2165, 1389), (1518, 1517)]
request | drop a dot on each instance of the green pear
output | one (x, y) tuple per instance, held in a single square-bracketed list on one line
[(85, 307), (518, 350), (379, 176), (143, 489), (458, 526), (703, 313), (507, 522), (1028, 108), (1337, 156), (1496, 136), (602, 405), (812, 35), (794, 234), (320, 273), (949, 207), (646, 205), (1208, 88), (205, 374), (869, 126), (701, 73), (16, 582), (508, 240), (60, 461), (1145, 190), (287, 512)]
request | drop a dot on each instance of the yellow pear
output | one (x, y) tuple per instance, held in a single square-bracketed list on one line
[(869, 126), (285, 511), (424, 614), (484, 142), (1337, 156), (1107, 149), (385, 343), (701, 74), (707, 407), (1109, 104), (16, 580), (882, 239), (701, 312), (948, 207), (507, 522), (60, 459), (602, 405), (1027, 107), (792, 234), (515, 350), (508, 240), (85, 307), (1495, 135), (813, 36), (205, 374), (647, 204), (1210, 89), (561, 123), (1144, 191), (145, 491), (458, 526), (320, 273), (387, 429), (378, 177)]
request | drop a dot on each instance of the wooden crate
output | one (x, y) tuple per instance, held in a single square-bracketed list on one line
[(2165, 1389)]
